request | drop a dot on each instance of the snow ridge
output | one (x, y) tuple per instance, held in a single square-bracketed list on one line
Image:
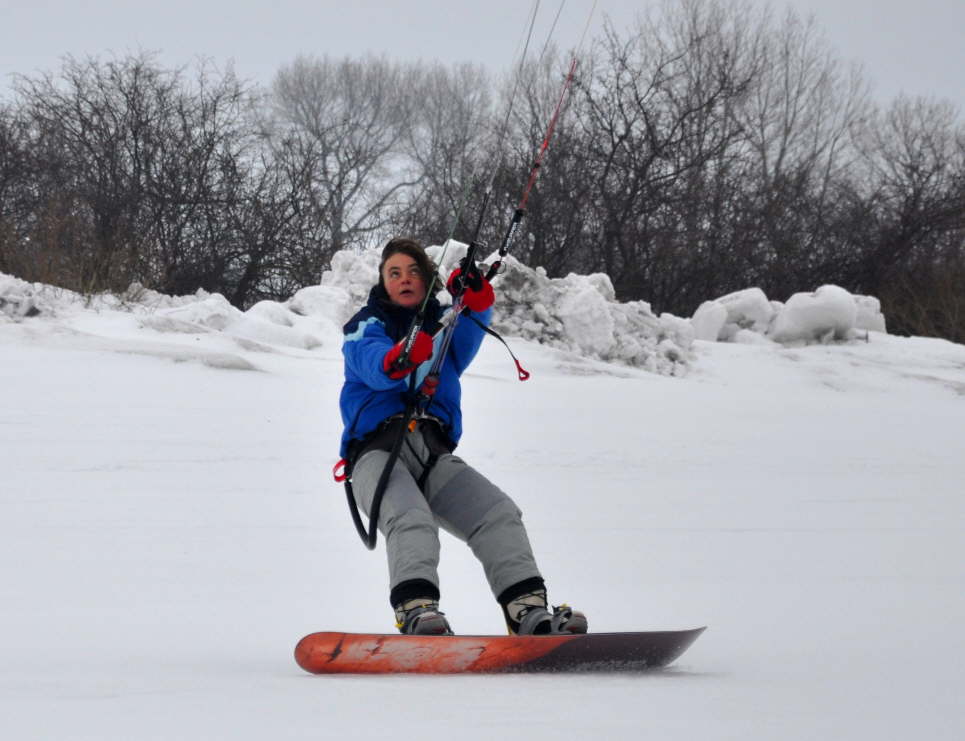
[(577, 314)]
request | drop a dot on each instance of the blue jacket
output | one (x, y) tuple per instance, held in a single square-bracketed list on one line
[(369, 396)]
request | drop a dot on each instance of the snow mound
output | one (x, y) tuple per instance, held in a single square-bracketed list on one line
[(726, 317), (331, 303), (869, 316), (827, 314), (830, 313), (210, 314), (265, 324), (747, 309), (21, 300), (709, 320), (137, 297), (353, 274), (579, 314)]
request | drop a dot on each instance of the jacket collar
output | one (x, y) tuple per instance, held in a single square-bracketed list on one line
[(400, 317)]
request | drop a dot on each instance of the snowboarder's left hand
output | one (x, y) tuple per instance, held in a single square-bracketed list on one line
[(479, 294)]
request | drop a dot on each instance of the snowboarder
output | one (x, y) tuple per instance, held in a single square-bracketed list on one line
[(430, 487)]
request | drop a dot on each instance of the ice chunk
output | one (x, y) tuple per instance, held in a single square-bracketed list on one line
[(869, 314), (748, 309), (709, 320), (828, 313)]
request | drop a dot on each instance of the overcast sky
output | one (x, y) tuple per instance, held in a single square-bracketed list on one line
[(916, 46)]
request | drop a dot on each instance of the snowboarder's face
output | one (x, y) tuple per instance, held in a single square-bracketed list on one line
[(403, 281)]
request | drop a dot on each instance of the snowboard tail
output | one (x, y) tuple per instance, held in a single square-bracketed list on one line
[(368, 653)]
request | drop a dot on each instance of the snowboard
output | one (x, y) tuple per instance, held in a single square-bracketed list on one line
[(371, 653)]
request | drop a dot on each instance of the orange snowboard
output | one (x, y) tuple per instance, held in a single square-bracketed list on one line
[(367, 653)]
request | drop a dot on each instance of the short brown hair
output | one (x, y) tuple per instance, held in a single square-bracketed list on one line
[(414, 250)]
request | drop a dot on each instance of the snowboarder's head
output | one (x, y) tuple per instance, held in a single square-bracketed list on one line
[(405, 272)]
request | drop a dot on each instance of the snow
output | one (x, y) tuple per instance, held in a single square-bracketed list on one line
[(170, 528), (830, 313), (868, 314), (709, 320), (579, 314), (747, 309)]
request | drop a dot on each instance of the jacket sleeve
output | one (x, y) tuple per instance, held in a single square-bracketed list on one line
[(467, 339), (364, 349)]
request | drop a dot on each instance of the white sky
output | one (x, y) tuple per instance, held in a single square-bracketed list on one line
[(916, 46)]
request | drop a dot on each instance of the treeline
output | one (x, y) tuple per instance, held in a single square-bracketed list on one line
[(709, 148)]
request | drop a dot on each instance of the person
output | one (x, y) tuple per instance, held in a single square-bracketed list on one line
[(429, 487)]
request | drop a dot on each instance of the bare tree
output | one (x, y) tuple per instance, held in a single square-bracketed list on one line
[(87, 127), (13, 172), (342, 126), (658, 125), (195, 178), (449, 142), (912, 191), (140, 173), (799, 117)]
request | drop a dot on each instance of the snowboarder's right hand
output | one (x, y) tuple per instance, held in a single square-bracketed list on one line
[(421, 351)]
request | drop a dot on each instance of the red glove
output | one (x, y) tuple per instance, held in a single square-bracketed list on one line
[(479, 294), (421, 350)]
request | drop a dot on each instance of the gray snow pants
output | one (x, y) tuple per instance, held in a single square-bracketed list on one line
[(454, 496)]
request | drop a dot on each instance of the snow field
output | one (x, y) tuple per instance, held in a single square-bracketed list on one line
[(170, 530)]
